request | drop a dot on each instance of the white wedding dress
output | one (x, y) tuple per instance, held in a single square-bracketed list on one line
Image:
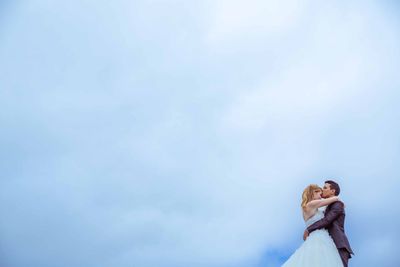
[(318, 250)]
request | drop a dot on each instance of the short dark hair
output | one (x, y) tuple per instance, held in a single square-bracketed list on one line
[(334, 186)]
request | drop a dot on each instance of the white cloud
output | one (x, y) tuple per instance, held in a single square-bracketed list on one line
[(237, 19)]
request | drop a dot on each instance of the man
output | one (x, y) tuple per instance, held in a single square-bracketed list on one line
[(333, 221)]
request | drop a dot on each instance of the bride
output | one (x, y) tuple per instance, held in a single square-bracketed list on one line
[(318, 250)]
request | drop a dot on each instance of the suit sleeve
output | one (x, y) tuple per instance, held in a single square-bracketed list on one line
[(335, 211)]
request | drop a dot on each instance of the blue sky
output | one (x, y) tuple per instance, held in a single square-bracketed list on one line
[(182, 133)]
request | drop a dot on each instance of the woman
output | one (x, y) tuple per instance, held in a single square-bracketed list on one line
[(318, 250)]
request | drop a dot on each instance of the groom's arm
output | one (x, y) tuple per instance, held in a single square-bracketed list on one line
[(335, 211)]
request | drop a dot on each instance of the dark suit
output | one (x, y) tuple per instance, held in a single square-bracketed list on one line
[(334, 222)]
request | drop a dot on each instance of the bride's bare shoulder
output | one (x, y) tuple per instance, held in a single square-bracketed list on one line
[(308, 213)]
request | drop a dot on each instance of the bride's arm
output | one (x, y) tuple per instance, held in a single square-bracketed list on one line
[(314, 204)]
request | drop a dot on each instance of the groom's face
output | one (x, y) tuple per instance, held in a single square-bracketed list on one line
[(327, 191)]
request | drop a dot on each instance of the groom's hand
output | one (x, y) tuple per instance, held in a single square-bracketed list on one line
[(305, 235)]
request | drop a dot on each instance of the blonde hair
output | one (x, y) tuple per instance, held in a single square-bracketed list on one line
[(308, 194)]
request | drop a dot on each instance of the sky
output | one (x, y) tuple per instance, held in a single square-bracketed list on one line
[(182, 133)]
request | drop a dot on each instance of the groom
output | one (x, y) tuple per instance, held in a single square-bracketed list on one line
[(334, 222)]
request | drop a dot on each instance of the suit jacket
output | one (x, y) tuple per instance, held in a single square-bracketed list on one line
[(334, 222)]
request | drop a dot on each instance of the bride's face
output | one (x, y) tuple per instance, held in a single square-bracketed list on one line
[(317, 194)]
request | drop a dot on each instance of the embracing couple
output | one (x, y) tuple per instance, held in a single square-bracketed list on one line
[(325, 244)]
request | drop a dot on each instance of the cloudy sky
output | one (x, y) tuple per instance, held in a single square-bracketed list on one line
[(175, 133)]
